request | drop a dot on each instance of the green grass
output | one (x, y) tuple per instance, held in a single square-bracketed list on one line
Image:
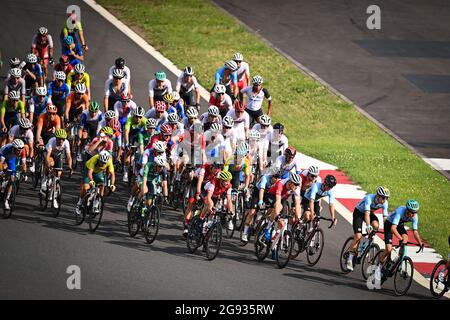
[(196, 33)]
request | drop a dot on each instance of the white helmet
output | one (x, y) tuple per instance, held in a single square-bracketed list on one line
[(139, 112), (313, 170), (79, 68), (295, 178), (14, 95), (242, 149), (18, 144), (215, 127), (31, 58), (151, 123), (43, 31), (228, 121), (238, 57), (118, 73), (104, 156), (159, 146), (175, 95), (192, 112), (110, 114), (254, 134), (173, 118), (231, 65), (80, 88), (25, 123), (160, 161), (265, 120), (188, 71), (60, 75), (15, 72), (220, 88), (41, 91), (213, 111), (383, 191), (257, 80)]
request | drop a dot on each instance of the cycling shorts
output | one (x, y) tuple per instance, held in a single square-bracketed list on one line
[(358, 219), (388, 233)]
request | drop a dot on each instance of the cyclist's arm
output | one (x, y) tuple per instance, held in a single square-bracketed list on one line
[(39, 125), (229, 202), (112, 173), (2, 113), (297, 208), (48, 155), (278, 205), (199, 183), (89, 174), (333, 213), (68, 105), (69, 157)]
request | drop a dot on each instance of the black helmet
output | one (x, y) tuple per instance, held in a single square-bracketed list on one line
[(278, 126), (120, 63), (330, 180)]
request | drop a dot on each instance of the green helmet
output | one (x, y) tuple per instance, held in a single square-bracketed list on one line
[(61, 133), (160, 75), (94, 106), (412, 205)]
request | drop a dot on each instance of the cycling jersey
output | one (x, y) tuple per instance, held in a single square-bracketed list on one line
[(107, 145), (177, 108), (368, 204), (315, 192), (224, 104), (87, 121), (42, 44), (72, 27), (66, 68), (219, 77), (187, 125), (115, 93), (288, 167), (8, 107), (76, 48), (154, 91), (244, 69), (152, 114), (37, 107), (26, 136), (241, 123), (215, 187), (123, 111), (131, 125), (72, 81), (93, 164), (304, 176), (254, 100), (20, 86), (276, 147), (57, 92), (36, 70), (264, 132), (148, 156), (74, 101), (8, 156), (126, 72), (55, 149), (186, 87), (280, 189), (398, 217), (47, 125)]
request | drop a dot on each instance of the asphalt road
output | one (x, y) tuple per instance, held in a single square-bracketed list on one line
[(400, 74), (36, 249)]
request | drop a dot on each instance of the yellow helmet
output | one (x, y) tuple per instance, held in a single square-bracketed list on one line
[(225, 175), (61, 133), (108, 131), (168, 97)]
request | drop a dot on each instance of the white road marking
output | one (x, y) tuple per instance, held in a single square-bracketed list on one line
[(307, 161), (348, 191), (438, 163)]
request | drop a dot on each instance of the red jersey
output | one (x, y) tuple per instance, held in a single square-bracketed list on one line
[(215, 186), (280, 188)]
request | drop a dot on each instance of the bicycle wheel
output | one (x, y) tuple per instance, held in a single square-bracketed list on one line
[(438, 286), (133, 218), (315, 247), (43, 199), (367, 259), (403, 276), (12, 199), (241, 207), (345, 253), (296, 246), (152, 224), (185, 199), (213, 240), (57, 194), (262, 246), (79, 218), (284, 249), (95, 213), (194, 237)]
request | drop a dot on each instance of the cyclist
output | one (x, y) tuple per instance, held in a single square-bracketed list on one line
[(395, 225), (23, 131), (103, 142), (10, 156), (124, 108), (287, 162), (158, 113), (174, 122), (58, 91), (264, 126), (243, 72), (241, 120), (64, 65), (79, 75), (229, 135), (311, 200), (91, 121), (94, 173), (119, 63), (276, 142), (74, 29), (55, 148), (176, 105), (42, 47), (135, 124), (9, 112), (210, 117), (240, 163), (188, 88), (38, 103), (220, 99), (15, 82), (153, 175), (254, 96), (47, 124), (309, 177), (33, 73), (214, 143), (72, 50), (158, 87), (364, 211), (76, 103), (256, 151), (227, 76), (115, 88), (191, 118)]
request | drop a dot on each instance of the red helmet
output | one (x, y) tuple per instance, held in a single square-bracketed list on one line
[(160, 106), (166, 129), (290, 151), (238, 106)]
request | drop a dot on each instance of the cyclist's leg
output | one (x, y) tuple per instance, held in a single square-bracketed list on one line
[(358, 218)]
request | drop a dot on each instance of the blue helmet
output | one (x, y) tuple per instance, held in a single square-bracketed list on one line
[(68, 40), (412, 205)]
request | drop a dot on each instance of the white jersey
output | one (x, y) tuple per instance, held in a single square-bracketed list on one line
[(152, 88), (287, 167), (254, 100), (264, 132), (126, 71), (240, 124), (276, 146), (243, 69), (178, 130), (186, 123), (27, 137), (230, 141), (55, 149), (187, 86), (204, 118), (118, 108), (109, 88)]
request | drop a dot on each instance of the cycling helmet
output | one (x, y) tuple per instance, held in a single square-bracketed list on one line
[(94, 106), (160, 75), (265, 120), (14, 95), (79, 68), (104, 156), (383, 192), (68, 40), (225, 175), (41, 91), (118, 73), (192, 112), (173, 118), (219, 88), (166, 129), (160, 106), (18, 144), (51, 109), (238, 106), (295, 178), (228, 122), (290, 151), (42, 31), (330, 180), (175, 96), (231, 65), (139, 112), (125, 97), (80, 88), (168, 98), (108, 131), (313, 170), (119, 63), (159, 161), (412, 205), (213, 111), (257, 80), (278, 126), (188, 71), (25, 123), (242, 149), (215, 127), (15, 72), (159, 146), (254, 134), (14, 62), (110, 114), (61, 133), (151, 123), (31, 58), (238, 57), (60, 75)]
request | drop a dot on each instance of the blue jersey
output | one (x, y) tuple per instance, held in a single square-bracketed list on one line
[(78, 51), (58, 92), (368, 204), (8, 155), (315, 192), (37, 70), (39, 108), (178, 108), (398, 216), (264, 182), (219, 77)]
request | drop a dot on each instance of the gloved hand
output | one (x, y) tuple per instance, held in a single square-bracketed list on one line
[(369, 229), (112, 187), (261, 204), (92, 183)]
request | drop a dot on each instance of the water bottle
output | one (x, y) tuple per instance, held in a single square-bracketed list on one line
[(364, 243), (205, 227)]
